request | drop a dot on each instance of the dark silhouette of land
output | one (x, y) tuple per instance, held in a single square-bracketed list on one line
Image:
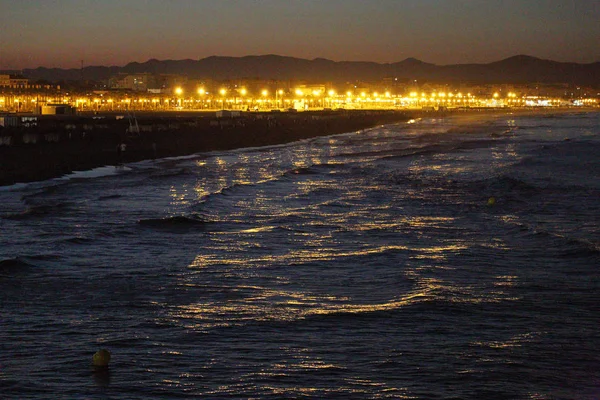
[(59, 145), (517, 70)]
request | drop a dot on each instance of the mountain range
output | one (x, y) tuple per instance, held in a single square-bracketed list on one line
[(518, 69)]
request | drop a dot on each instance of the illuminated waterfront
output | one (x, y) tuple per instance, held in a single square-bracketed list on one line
[(281, 99)]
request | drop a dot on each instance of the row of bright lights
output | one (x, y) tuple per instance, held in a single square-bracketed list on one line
[(413, 98), (166, 100), (300, 92), (331, 93)]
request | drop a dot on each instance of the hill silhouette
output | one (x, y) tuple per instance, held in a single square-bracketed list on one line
[(517, 69)]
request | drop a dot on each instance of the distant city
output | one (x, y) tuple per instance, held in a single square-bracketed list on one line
[(320, 84)]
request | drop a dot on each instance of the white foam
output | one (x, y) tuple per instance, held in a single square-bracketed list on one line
[(99, 172)]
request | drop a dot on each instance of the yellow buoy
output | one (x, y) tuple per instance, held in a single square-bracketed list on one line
[(491, 201), (101, 358)]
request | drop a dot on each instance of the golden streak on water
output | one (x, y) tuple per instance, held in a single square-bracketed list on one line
[(299, 256), (258, 229), (300, 361), (496, 244), (515, 341)]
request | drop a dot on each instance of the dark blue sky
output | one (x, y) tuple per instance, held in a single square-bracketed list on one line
[(61, 33)]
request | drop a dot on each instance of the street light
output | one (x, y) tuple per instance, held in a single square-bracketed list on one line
[(277, 94), (178, 92), (317, 95), (243, 92), (331, 93), (201, 93), (264, 94), (223, 93)]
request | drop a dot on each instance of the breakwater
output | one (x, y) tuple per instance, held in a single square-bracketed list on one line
[(51, 146)]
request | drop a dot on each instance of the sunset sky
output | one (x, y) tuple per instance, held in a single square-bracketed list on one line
[(61, 33)]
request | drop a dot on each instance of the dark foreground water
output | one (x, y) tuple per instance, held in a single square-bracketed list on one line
[(361, 266)]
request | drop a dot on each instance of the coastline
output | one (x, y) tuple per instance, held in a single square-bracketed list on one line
[(60, 145)]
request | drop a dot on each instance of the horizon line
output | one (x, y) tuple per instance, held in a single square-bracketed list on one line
[(300, 58)]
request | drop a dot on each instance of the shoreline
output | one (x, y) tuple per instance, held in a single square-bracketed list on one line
[(60, 145)]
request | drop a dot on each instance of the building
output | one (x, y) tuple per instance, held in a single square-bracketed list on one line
[(14, 81), (57, 109), (146, 82), (170, 81), (135, 82)]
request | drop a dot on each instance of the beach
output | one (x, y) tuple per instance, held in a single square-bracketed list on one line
[(62, 144)]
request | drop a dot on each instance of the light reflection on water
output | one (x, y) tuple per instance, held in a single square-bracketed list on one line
[(364, 265)]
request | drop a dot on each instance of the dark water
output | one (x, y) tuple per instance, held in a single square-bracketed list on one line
[(360, 266)]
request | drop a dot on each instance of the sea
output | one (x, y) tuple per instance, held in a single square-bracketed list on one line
[(448, 257)]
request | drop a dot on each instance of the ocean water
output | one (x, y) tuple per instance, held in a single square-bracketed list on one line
[(368, 265)]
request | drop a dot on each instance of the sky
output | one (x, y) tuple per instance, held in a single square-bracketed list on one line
[(63, 33)]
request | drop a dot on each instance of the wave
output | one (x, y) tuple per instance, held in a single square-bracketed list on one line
[(284, 222), (474, 144), (14, 263), (14, 187), (420, 151), (566, 246), (225, 191), (110, 197), (233, 188), (43, 257), (170, 174), (474, 129), (505, 183), (99, 172), (37, 211), (175, 222), (229, 190), (79, 240), (559, 244), (42, 189), (123, 231), (363, 310), (302, 171), (577, 247), (566, 115)]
